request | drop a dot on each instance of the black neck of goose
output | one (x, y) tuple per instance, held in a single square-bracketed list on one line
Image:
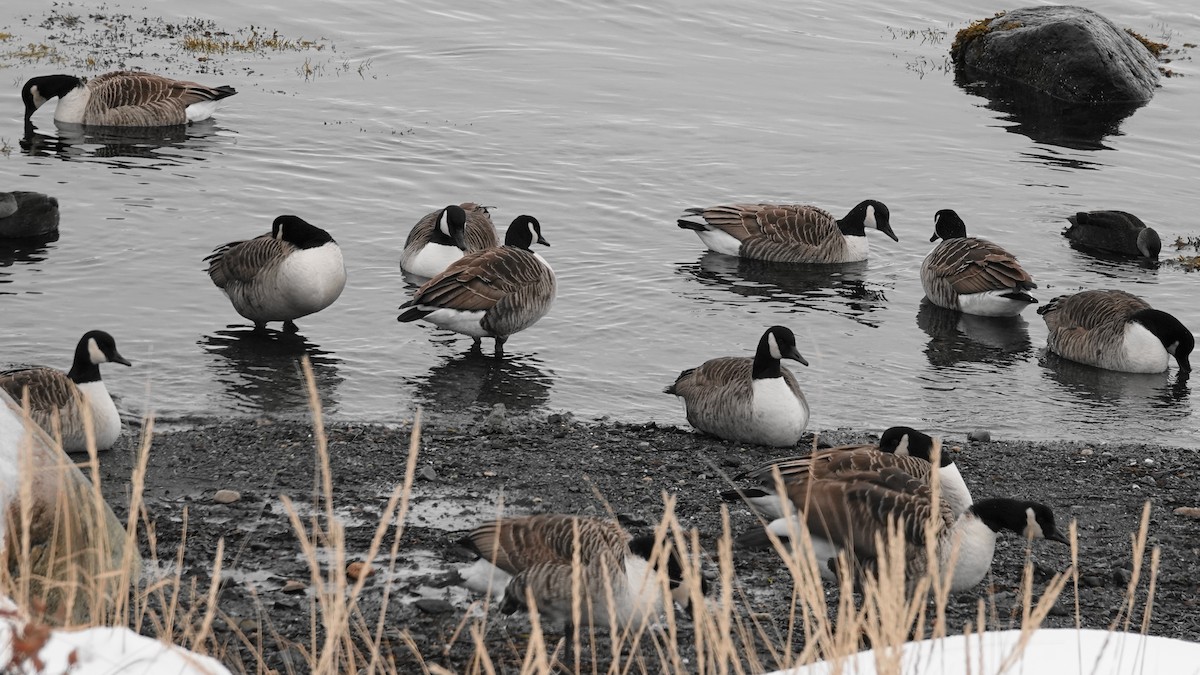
[(855, 222), (765, 365), (1001, 513), (439, 237), (82, 368)]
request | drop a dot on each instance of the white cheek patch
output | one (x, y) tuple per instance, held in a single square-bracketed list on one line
[(95, 353), (902, 447), (533, 235), (1032, 529), (1172, 347), (870, 219), (443, 223), (38, 99), (773, 345), (936, 219)]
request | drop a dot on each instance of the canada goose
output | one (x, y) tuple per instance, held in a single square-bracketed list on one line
[(490, 293), (27, 215), (749, 400), (901, 447), (850, 512), (292, 272), (123, 99), (788, 233), (973, 275), (1113, 232), (53, 393), (443, 236), (1116, 330), (534, 554)]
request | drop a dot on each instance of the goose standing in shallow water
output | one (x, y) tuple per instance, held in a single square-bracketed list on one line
[(973, 275), (28, 215), (749, 400), (123, 99), (851, 511), (901, 447), (1113, 232), (294, 271), (490, 293), (55, 394), (620, 583), (1116, 330), (442, 237), (788, 233)]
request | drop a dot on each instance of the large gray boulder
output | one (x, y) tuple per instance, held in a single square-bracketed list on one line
[(1070, 53)]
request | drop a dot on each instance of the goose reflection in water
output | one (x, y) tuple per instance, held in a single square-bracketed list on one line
[(955, 337), (126, 147), (478, 379), (21, 252), (261, 371), (1089, 384), (839, 289)]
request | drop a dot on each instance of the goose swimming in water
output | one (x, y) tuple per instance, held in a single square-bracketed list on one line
[(123, 99)]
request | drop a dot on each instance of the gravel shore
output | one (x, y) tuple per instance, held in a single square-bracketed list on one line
[(228, 476)]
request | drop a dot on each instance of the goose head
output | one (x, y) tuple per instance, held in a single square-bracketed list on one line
[(1028, 519), (948, 225), (452, 222), (1175, 337), (524, 232)]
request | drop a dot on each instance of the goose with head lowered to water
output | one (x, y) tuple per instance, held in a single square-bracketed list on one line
[(1116, 330), (123, 99)]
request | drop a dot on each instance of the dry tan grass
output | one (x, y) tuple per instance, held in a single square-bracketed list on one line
[(727, 636)]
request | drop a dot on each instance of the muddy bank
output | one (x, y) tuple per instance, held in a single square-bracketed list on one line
[(538, 463)]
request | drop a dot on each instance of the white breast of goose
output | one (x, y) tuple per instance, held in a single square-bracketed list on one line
[(720, 241), (432, 259), (778, 415), (106, 421), (856, 248), (638, 596), (1141, 352), (72, 106), (310, 279), (991, 303), (975, 543)]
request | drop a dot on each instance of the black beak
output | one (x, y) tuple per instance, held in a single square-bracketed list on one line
[(934, 237), (794, 354)]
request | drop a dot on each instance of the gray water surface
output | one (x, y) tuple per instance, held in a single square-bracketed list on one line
[(605, 121)]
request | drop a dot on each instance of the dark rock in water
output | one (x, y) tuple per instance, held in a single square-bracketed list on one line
[(434, 606), (1069, 53), (28, 215)]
